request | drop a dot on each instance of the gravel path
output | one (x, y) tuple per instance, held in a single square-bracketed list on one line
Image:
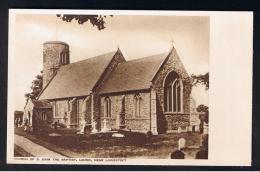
[(35, 149)]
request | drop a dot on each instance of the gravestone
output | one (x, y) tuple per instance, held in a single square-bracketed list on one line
[(94, 130), (178, 154), (179, 130), (118, 135), (105, 128), (82, 127), (181, 143)]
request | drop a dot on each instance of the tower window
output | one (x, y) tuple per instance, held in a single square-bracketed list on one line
[(43, 117), (63, 58)]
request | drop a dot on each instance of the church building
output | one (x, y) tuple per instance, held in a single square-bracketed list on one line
[(106, 92)]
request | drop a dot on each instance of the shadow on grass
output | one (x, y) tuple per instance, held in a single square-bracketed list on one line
[(103, 145)]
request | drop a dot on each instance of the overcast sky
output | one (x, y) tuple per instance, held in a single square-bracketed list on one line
[(136, 36)]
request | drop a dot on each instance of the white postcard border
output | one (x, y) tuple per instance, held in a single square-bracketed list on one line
[(230, 103)]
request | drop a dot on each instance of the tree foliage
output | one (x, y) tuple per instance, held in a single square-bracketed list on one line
[(36, 87), (205, 109), (201, 79), (96, 20)]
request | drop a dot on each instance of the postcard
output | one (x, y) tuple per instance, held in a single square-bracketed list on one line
[(129, 87)]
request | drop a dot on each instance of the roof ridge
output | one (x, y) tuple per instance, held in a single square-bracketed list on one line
[(134, 74), (83, 60), (147, 57)]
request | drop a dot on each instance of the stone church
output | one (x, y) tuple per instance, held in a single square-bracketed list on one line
[(107, 92)]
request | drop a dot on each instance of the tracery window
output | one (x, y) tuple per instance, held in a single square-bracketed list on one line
[(173, 93)]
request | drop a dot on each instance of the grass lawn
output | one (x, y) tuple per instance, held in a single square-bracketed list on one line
[(102, 145)]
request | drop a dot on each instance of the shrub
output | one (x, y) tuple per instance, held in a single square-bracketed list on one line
[(205, 140), (149, 134)]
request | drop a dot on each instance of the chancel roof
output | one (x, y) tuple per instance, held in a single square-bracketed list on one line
[(134, 74)]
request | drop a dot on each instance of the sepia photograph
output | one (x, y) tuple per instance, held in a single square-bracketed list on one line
[(112, 86), (109, 87)]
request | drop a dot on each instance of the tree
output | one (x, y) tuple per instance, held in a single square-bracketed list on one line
[(202, 108), (36, 88), (96, 20), (205, 109), (201, 79)]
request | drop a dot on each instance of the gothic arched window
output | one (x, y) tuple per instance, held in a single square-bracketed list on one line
[(107, 107), (137, 105), (44, 117), (63, 58), (173, 93)]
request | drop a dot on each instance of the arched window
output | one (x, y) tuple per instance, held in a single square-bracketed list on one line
[(73, 111), (107, 107), (123, 105), (63, 58), (43, 117), (137, 104), (122, 113), (173, 93)]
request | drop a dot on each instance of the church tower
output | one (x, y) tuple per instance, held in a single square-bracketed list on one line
[(55, 54)]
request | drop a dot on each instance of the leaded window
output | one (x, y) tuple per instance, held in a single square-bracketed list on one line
[(173, 93)]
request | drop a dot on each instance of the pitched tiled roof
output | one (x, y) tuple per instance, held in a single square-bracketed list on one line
[(42, 104), (76, 79), (134, 75)]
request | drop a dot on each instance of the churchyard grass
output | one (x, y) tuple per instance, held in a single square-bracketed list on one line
[(103, 145)]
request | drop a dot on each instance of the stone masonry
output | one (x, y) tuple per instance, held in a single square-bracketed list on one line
[(140, 123), (173, 121), (118, 58), (55, 54), (88, 110)]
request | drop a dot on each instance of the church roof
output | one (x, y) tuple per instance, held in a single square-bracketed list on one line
[(134, 74), (42, 104), (77, 79)]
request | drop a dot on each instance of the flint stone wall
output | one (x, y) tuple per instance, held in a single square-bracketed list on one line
[(141, 123), (51, 58), (172, 63)]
